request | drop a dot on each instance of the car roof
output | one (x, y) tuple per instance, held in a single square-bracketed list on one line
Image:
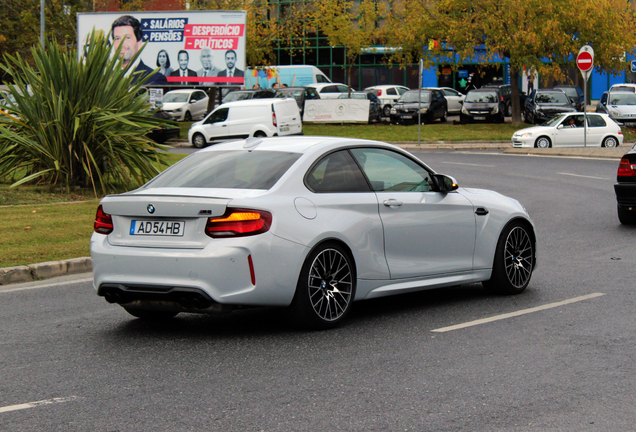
[(253, 102), (184, 91), (321, 85), (383, 86)]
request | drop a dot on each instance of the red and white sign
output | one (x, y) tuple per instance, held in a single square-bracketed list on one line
[(585, 61)]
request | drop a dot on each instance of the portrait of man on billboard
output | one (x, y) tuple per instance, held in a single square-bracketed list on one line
[(183, 71), (126, 31), (230, 63), (208, 69)]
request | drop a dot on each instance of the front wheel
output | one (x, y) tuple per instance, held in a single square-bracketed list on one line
[(259, 134), (444, 116), (198, 140), (387, 110), (610, 142), (325, 288), (187, 117), (514, 260), (543, 142)]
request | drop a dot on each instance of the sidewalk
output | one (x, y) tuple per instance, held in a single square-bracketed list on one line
[(51, 269)]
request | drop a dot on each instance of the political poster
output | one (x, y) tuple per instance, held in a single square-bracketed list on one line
[(198, 48)]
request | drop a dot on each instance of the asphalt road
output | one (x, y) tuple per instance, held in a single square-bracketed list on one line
[(562, 362)]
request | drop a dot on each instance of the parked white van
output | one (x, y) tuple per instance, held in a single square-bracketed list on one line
[(247, 118), (293, 76)]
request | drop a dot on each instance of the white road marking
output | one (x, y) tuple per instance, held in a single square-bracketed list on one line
[(35, 404), (469, 164), (518, 313), (7, 288), (579, 175)]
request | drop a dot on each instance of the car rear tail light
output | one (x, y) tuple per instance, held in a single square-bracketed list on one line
[(379, 93), (501, 98), (239, 223), (103, 222), (626, 168)]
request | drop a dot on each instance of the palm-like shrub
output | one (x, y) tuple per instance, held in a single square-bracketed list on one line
[(77, 123)]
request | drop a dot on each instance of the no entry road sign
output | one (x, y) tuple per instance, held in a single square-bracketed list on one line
[(585, 61)]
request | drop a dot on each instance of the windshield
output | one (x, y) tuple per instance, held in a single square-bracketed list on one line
[(236, 96), (622, 99), (552, 98), (229, 169), (570, 91), (176, 97), (481, 97), (296, 94), (554, 120), (411, 97)]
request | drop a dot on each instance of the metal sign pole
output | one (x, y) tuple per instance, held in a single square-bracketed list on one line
[(419, 102), (585, 76), (585, 63)]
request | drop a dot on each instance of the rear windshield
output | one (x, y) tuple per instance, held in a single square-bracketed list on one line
[(231, 169), (236, 96), (412, 97), (482, 97)]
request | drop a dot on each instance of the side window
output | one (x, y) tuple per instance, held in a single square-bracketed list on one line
[(391, 171), (449, 92), (402, 90), (335, 173), (321, 79), (595, 121), (218, 116), (330, 89), (343, 89), (391, 91), (200, 95)]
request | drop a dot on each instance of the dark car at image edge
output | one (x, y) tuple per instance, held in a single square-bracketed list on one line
[(625, 188)]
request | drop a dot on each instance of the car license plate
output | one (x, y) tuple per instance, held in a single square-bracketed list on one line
[(407, 117), (157, 228), (284, 129), (479, 118), (629, 123)]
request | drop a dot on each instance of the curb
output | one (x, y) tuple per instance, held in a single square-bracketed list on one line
[(45, 270)]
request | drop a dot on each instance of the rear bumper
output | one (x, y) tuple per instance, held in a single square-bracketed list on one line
[(625, 194), (220, 272)]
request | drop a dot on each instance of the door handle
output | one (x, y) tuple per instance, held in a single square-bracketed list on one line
[(481, 211), (393, 203), (223, 125)]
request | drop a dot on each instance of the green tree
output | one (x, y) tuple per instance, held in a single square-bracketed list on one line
[(353, 26), (77, 123)]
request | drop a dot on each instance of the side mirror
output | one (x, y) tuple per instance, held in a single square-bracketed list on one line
[(461, 102), (560, 126), (444, 183)]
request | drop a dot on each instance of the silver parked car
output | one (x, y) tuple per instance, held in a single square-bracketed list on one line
[(310, 223), (620, 105)]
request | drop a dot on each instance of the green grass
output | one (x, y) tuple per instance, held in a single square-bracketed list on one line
[(434, 132)]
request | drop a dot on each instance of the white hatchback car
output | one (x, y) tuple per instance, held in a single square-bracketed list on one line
[(388, 95), (314, 223), (567, 130), (454, 98), (330, 90), (185, 105)]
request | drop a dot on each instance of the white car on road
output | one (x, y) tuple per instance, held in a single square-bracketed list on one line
[(309, 223), (185, 105), (567, 130)]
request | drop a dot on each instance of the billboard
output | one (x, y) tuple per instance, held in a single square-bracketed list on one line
[(202, 48)]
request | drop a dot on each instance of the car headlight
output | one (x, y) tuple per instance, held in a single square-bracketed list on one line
[(495, 110), (614, 113), (423, 110), (525, 135), (178, 110), (464, 110)]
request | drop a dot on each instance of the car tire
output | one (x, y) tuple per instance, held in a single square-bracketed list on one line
[(315, 305), (387, 110), (509, 110), (610, 142), (514, 260), (626, 217), (187, 116), (260, 134), (150, 315), (198, 140), (543, 142)]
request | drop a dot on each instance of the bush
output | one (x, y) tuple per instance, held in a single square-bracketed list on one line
[(77, 123)]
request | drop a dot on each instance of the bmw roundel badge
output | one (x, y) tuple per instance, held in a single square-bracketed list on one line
[(150, 208)]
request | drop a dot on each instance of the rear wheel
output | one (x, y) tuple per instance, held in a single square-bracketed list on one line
[(610, 142), (151, 315), (514, 260), (259, 134), (387, 110), (543, 142), (198, 140), (626, 217), (326, 287)]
